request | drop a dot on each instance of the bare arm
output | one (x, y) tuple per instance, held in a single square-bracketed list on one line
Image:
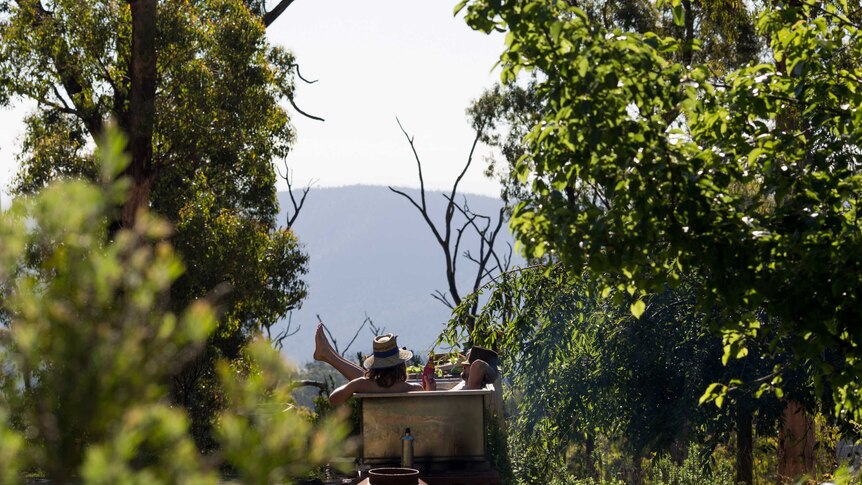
[(475, 379), (344, 392)]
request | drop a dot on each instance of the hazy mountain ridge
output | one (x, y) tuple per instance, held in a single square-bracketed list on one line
[(371, 253)]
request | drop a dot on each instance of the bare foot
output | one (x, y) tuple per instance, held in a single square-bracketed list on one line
[(322, 347)]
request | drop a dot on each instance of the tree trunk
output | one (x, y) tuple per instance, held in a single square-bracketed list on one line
[(795, 444), (744, 446), (688, 46), (589, 449), (679, 446), (141, 116), (637, 477)]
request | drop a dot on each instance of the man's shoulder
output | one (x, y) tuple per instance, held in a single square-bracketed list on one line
[(363, 384)]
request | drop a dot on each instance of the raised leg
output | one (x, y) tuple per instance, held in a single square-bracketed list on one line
[(324, 352)]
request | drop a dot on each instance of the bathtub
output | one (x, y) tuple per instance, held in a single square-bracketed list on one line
[(449, 429)]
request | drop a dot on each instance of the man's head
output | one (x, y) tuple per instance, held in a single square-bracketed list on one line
[(488, 356), (388, 376)]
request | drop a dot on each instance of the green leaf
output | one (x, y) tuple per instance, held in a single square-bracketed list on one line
[(709, 394), (556, 29), (637, 308), (678, 15), (583, 66)]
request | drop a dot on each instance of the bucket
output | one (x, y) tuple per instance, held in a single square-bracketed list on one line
[(393, 476)]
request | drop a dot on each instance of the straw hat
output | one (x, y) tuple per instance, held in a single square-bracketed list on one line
[(387, 353)]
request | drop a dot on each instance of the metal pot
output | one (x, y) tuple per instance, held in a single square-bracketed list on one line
[(393, 476)]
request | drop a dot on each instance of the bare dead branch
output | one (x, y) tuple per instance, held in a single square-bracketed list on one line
[(375, 330), (467, 165), (277, 342), (471, 217), (460, 234), (507, 259), (444, 233), (422, 211), (276, 12), (299, 75), (303, 113), (445, 239), (356, 334), (487, 254), (287, 176), (403, 194), (418, 163), (487, 272), (321, 387), (441, 297)]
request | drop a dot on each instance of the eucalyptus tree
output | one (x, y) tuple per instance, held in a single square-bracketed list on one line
[(721, 34), (642, 169), (201, 93), (91, 339)]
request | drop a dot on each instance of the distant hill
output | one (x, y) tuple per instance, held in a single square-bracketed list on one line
[(371, 253)]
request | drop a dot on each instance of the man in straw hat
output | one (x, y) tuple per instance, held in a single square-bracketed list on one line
[(386, 369)]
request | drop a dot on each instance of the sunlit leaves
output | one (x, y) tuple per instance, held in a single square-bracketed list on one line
[(749, 178), (637, 308), (92, 343), (582, 368), (220, 122), (164, 431), (263, 434), (90, 335), (715, 392)]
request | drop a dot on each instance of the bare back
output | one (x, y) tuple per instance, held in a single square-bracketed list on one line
[(366, 385)]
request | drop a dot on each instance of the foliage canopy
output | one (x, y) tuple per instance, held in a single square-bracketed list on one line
[(91, 343), (586, 377), (218, 124), (643, 169)]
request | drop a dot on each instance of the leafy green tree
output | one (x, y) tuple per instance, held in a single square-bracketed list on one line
[(92, 339), (724, 32), (643, 169), (200, 92), (587, 376)]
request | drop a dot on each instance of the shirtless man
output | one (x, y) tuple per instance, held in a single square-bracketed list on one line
[(387, 369)]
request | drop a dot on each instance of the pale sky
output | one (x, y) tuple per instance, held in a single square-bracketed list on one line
[(374, 60)]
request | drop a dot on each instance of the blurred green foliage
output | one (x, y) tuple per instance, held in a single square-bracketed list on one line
[(91, 344), (592, 392), (262, 425), (219, 124)]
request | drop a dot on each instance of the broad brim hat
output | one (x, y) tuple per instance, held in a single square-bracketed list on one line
[(386, 353)]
